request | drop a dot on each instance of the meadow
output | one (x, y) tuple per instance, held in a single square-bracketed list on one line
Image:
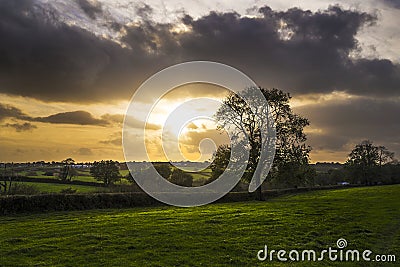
[(83, 175), (228, 234), (57, 188)]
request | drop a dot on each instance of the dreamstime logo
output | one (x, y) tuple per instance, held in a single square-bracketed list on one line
[(341, 243), (331, 254), (152, 91)]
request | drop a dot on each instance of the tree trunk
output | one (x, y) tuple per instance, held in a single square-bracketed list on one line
[(259, 195)]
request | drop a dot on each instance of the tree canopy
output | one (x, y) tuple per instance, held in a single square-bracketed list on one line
[(290, 137), (67, 172), (106, 171), (365, 160)]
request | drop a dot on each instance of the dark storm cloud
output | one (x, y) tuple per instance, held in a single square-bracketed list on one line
[(353, 121), (21, 127), (52, 61), (90, 8), (73, 117), (327, 141), (13, 113), (295, 50), (7, 111)]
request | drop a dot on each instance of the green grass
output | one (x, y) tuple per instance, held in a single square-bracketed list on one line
[(124, 172), (81, 177), (56, 188), (199, 178), (213, 235), (86, 178)]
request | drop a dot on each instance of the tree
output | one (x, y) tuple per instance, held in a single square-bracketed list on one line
[(181, 178), (7, 178), (220, 162), (385, 156), (106, 171), (290, 138), (163, 169), (366, 160), (67, 171)]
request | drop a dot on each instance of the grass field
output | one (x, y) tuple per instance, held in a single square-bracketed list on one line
[(56, 188), (199, 178), (212, 235)]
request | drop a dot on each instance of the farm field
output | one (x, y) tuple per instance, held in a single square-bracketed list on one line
[(83, 175), (56, 188), (212, 235)]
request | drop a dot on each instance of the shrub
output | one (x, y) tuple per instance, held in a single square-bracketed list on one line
[(68, 190), (23, 189)]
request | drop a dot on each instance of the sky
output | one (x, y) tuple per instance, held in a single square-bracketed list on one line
[(68, 69)]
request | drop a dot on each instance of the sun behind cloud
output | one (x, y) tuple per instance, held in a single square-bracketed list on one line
[(194, 140)]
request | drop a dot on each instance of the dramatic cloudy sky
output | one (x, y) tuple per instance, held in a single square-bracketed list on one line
[(68, 68)]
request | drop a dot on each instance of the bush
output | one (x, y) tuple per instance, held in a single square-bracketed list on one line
[(23, 189), (68, 190)]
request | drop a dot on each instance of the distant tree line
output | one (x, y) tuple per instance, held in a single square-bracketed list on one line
[(367, 164), (172, 174)]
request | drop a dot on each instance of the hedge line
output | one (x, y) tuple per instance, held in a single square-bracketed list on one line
[(52, 181), (67, 202)]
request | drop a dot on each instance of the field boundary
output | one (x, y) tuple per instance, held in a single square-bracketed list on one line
[(52, 181), (68, 202)]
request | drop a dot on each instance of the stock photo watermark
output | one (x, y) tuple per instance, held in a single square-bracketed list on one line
[(155, 88), (334, 254)]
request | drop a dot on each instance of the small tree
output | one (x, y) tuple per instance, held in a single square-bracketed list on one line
[(181, 178), (67, 171), (7, 178), (106, 171), (366, 160)]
